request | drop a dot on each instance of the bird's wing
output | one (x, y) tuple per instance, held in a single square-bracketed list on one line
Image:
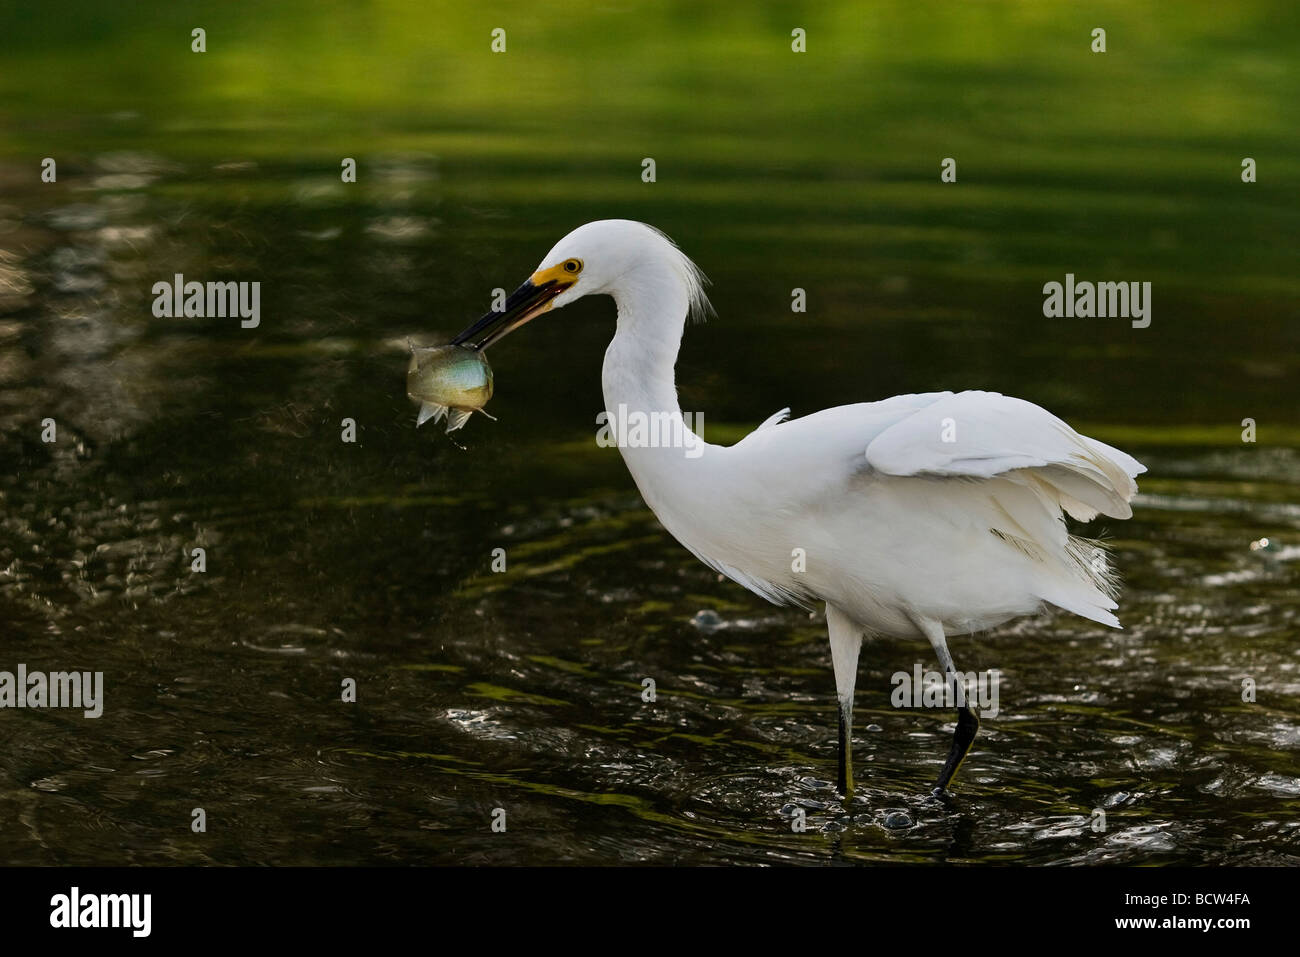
[(1032, 469), (983, 434)]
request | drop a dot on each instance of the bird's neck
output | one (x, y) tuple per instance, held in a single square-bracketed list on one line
[(639, 363), (656, 440)]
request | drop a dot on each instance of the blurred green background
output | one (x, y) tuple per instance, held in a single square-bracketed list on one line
[(775, 170)]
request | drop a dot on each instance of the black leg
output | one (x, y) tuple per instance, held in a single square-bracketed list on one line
[(968, 723), (846, 750)]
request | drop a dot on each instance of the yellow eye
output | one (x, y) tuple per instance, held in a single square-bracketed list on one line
[(573, 266)]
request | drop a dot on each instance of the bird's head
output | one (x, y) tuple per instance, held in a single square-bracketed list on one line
[(604, 257)]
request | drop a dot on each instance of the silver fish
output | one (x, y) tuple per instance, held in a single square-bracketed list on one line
[(450, 381)]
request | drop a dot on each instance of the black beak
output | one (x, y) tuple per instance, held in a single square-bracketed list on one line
[(523, 304)]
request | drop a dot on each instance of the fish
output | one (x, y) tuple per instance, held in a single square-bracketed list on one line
[(448, 381)]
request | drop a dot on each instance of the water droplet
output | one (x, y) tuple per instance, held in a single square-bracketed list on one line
[(707, 620)]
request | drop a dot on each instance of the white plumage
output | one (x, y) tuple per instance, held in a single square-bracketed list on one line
[(919, 515)]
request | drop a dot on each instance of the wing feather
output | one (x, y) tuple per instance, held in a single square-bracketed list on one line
[(983, 434)]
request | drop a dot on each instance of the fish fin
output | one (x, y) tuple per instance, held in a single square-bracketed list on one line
[(430, 410), (488, 414), (456, 418)]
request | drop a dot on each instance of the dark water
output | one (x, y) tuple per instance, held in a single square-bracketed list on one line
[(522, 690)]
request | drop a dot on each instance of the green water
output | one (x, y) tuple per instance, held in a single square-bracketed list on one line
[(372, 560)]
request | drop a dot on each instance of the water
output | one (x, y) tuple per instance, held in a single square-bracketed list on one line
[(522, 690)]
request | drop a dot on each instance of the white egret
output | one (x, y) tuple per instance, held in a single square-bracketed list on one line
[(918, 516)]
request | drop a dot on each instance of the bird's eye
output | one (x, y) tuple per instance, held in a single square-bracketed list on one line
[(573, 266)]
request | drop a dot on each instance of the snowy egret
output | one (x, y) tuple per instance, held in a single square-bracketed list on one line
[(916, 516)]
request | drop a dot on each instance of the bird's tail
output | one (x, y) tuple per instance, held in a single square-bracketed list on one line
[(1075, 573)]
